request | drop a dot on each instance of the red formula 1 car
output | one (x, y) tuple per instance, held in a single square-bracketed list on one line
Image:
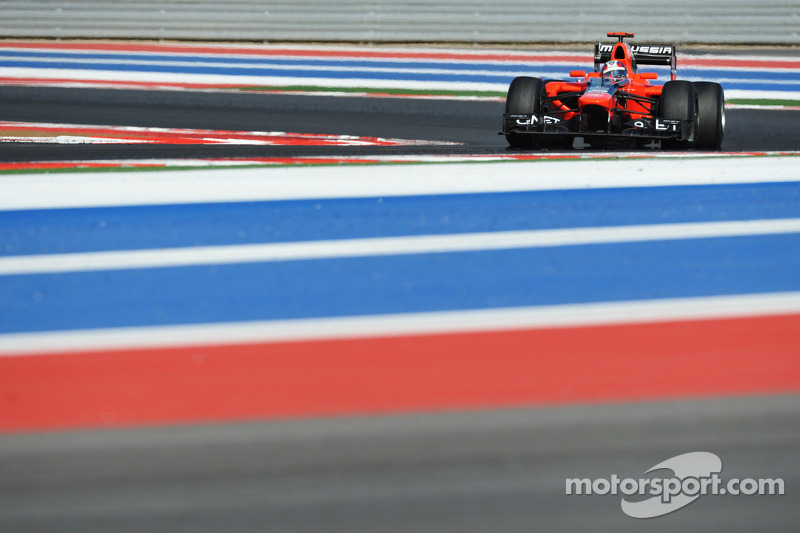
[(616, 103)]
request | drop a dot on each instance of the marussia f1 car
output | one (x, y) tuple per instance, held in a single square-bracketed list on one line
[(616, 102)]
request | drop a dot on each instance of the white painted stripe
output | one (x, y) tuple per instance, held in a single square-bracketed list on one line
[(737, 69), (765, 81), (465, 321), (422, 55), (290, 51), (78, 189), (425, 244), (511, 72), (69, 139), (222, 79), (762, 94), (43, 77), (432, 56), (213, 50)]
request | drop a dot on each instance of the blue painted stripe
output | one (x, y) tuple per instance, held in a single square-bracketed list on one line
[(300, 63), (141, 227), (789, 81), (754, 76), (401, 284), (284, 62), (759, 87), (758, 76), (456, 72), (262, 72)]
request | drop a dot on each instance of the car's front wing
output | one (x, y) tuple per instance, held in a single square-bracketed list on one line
[(640, 128)]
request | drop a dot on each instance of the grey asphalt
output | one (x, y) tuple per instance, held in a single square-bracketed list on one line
[(473, 123), (463, 471)]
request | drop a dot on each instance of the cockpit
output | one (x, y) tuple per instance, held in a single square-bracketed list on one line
[(614, 70), (614, 73)]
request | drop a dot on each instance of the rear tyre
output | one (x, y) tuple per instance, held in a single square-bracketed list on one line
[(710, 124), (678, 101), (524, 98)]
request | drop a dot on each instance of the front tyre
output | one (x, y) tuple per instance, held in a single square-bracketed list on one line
[(524, 98), (710, 124), (679, 102)]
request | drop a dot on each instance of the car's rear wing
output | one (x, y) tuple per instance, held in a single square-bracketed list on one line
[(643, 54)]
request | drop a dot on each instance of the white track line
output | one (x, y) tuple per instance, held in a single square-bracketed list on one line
[(42, 191), (43, 75), (465, 321), (328, 249)]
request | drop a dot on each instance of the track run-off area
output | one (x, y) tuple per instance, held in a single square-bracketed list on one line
[(477, 284), (346, 260)]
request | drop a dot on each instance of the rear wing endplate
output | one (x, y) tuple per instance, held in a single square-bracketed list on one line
[(643, 54)]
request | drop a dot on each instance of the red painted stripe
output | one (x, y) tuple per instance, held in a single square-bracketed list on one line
[(184, 136), (688, 359), (53, 165), (728, 62), (126, 83), (293, 52), (49, 165)]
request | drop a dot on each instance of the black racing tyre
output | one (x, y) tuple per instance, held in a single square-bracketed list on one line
[(710, 124), (524, 98), (678, 101)]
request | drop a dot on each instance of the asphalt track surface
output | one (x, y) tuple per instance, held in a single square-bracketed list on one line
[(472, 123), (485, 471), (464, 471)]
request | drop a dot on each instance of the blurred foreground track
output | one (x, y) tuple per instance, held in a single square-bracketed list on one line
[(470, 471)]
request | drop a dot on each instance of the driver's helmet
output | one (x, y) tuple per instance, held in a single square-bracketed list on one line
[(614, 69)]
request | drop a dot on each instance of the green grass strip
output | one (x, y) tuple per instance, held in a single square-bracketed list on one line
[(763, 101), (468, 94)]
